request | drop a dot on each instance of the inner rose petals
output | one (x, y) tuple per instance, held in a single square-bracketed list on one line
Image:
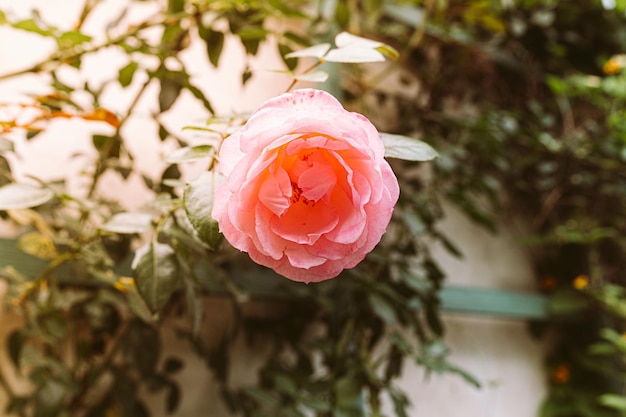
[(304, 223), (352, 219), (317, 182), (275, 191)]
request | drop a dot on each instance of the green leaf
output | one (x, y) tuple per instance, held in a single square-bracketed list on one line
[(17, 405), (355, 49), (315, 51), (246, 75), (3, 18), (126, 74), (349, 397), (354, 55), (138, 305), (49, 398), (38, 245), (314, 76), (6, 145), (262, 397), (407, 148), (72, 38), (345, 39), (156, 273), (319, 405), (617, 402), (284, 50), (31, 25), (342, 14), (142, 347), (400, 403), (172, 400), (20, 196), (197, 93), (388, 51), (175, 6), (198, 202), (172, 365), (5, 171), (54, 325), (108, 146), (469, 378), (15, 343), (189, 153), (382, 308), (128, 223), (296, 38), (214, 44), (563, 303), (170, 90)]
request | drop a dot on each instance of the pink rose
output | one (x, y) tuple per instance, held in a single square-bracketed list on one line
[(307, 190)]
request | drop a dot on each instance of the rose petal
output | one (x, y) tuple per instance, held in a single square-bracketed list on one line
[(300, 258), (304, 224), (275, 191), (317, 181)]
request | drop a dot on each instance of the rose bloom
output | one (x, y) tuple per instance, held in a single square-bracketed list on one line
[(307, 192)]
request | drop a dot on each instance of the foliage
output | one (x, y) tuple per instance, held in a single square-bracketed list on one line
[(104, 280), (524, 103)]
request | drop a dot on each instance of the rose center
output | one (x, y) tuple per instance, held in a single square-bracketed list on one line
[(312, 177)]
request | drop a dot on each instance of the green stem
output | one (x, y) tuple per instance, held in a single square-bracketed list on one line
[(306, 71), (86, 11), (35, 68), (101, 164), (345, 336), (89, 382)]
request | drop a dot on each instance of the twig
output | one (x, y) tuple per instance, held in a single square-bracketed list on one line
[(306, 71), (100, 166)]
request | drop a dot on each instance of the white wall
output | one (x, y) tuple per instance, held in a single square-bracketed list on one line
[(500, 353)]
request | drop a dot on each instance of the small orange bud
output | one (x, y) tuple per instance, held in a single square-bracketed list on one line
[(549, 282), (561, 373)]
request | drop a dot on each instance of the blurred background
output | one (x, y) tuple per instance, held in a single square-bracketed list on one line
[(499, 289)]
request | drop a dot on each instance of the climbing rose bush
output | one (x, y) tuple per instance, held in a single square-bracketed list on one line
[(307, 191)]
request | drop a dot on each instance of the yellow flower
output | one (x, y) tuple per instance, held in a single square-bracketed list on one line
[(581, 282), (124, 284), (613, 65)]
